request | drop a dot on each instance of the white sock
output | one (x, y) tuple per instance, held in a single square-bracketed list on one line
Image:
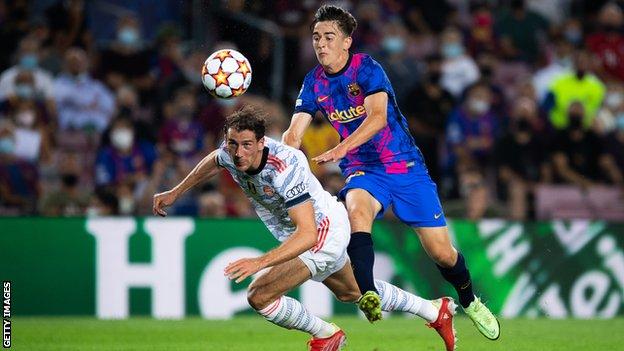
[(396, 299), (291, 314)]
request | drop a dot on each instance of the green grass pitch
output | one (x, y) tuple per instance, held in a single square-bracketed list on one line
[(251, 333)]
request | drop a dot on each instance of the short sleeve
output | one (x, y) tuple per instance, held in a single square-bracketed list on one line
[(372, 78), (221, 156), (292, 184), (305, 101)]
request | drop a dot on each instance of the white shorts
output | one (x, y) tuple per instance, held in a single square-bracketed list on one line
[(329, 255)]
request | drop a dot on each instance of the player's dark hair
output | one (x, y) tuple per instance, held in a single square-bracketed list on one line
[(346, 21), (247, 118)]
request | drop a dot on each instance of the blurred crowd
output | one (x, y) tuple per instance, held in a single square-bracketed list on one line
[(502, 97)]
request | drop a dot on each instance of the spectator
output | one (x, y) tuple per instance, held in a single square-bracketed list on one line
[(32, 139), (471, 132), (318, 138), (580, 85), (562, 62), (401, 69), (579, 156), (19, 187), (613, 105), (519, 30), (104, 202), (614, 143), (482, 30), (458, 69), (127, 60), (27, 60), (608, 42), (126, 159), (521, 160), (427, 108), (25, 93), (68, 25), (82, 102), (182, 134), (69, 200)]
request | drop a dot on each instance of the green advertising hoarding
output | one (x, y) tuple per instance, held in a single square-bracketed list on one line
[(173, 267)]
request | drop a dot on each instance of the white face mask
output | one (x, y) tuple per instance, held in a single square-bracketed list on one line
[(93, 211), (614, 99), (122, 138), (126, 205), (479, 106), (26, 118)]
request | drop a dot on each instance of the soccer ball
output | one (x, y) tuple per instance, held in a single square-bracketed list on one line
[(226, 74)]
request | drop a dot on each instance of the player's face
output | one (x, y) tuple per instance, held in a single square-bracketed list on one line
[(331, 45), (244, 148)]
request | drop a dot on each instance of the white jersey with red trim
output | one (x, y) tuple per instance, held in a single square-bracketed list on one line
[(282, 181)]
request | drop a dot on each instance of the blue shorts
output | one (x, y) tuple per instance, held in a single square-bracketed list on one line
[(413, 195)]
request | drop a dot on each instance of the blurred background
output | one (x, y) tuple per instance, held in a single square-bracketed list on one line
[(518, 106)]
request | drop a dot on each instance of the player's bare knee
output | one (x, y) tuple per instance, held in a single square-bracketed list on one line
[(349, 296), (444, 257), (257, 298)]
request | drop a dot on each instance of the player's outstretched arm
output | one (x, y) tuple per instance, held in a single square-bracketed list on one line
[(204, 170), (303, 239), (298, 125), (376, 106)]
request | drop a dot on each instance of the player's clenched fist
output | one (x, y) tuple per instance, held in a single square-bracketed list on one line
[(162, 200)]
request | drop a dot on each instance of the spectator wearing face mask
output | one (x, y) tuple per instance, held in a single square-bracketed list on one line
[(579, 157), (401, 69), (521, 160), (19, 179), (127, 60), (27, 60), (458, 69), (83, 102), (612, 107), (124, 158), (25, 93), (581, 86), (607, 43), (471, 133)]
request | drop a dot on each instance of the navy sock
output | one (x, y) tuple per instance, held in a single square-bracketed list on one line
[(362, 257), (459, 277)]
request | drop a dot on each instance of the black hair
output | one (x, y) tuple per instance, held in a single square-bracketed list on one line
[(247, 118), (346, 21)]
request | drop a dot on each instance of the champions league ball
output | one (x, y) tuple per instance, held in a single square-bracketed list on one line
[(226, 74)]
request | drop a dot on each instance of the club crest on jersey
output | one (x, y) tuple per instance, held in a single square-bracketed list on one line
[(268, 190), (354, 89)]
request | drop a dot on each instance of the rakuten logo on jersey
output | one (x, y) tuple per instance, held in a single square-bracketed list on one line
[(348, 115)]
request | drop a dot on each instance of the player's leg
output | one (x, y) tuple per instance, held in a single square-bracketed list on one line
[(417, 204), (362, 208), (266, 296), (452, 266), (438, 313)]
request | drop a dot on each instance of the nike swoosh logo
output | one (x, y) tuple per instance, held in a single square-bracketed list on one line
[(488, 330), (323, 98), (437, 215)]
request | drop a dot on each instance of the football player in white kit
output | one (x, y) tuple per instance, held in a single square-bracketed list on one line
[(311, 225)]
